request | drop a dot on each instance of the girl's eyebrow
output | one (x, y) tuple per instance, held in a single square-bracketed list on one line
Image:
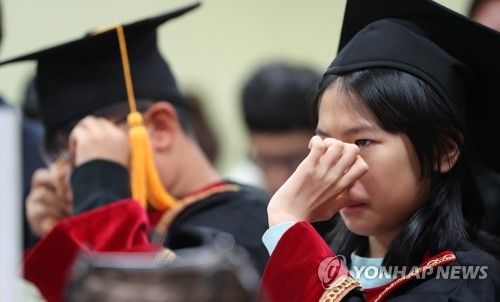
[(360, 128), (350, 131), (320, 132)]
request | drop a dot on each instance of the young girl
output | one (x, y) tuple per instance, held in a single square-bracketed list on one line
[(393, 156)]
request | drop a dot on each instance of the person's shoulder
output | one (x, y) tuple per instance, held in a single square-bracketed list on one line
[(234, 197), (250, 193), (472, 259), (469, 254), (474, 276)]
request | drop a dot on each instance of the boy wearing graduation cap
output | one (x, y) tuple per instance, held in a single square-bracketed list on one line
[(404, 116), (92, 92)]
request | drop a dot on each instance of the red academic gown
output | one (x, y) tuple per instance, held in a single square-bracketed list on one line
[(120, 226), (294, 269), (102, 224)]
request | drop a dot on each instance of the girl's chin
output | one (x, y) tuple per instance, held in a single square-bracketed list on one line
[(357, 227)]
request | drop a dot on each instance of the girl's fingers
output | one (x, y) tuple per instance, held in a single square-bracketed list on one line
[(344, 162), (317, 146), (356, 170), (333, 152)]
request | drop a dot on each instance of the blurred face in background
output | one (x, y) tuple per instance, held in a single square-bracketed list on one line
[(278, 154), (487, 12)]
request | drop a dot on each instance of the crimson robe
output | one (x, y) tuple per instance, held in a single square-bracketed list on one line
[(295, 273), (105, 221)]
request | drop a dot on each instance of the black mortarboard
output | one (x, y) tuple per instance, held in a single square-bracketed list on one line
[(458, 57), (78, 77), (117, 64)]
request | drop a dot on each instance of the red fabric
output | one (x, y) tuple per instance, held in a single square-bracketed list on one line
[(155, 216), (292, 271), (26, 252), (372, 293), (207, 187), (121, 226)]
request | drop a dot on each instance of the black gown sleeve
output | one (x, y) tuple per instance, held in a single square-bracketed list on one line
[(475, 276), (97, 183)]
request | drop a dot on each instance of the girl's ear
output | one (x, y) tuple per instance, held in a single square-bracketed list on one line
[(448, 158), (162, 123)]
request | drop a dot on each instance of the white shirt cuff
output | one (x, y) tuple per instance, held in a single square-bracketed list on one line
[(273, 235)]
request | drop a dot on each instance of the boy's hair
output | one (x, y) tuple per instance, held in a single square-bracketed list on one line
[(275, 97), (118, 113)]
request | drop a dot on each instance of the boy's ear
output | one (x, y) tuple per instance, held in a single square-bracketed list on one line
[(162, 123), (448, 158)]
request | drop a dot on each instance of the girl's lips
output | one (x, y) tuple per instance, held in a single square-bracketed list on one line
[(355, 203), (353, 207)]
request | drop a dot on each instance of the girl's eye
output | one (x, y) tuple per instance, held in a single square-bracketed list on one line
[(363, 142)]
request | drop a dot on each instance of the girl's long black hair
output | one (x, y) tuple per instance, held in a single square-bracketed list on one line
[(402, 103)]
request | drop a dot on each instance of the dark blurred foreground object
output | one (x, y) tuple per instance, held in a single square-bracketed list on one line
[(193, 275)]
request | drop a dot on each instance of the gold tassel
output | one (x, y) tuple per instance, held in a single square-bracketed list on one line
[(138, 140), (145, 182), (157, 196)]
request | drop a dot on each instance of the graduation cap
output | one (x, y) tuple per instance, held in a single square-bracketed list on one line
[(112, 65), (455, 55), (77, 77)]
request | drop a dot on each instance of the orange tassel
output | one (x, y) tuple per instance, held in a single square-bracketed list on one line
[(157, 196), (138, 142), (145, 182)]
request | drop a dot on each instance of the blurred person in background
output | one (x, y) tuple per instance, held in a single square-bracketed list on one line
[(276, 109), (487, 12), (31, 137), (32, 154)]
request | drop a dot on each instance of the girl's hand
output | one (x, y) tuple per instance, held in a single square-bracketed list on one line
[(312, 192)]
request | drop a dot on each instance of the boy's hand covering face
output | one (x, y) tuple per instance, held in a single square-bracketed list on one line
[(50, 199), (312, 192), (98, 138)]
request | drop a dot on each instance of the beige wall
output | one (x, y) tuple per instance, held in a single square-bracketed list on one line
[(210, 50)]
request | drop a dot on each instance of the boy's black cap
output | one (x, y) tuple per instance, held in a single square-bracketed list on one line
[(457, 56), (78, 77)]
